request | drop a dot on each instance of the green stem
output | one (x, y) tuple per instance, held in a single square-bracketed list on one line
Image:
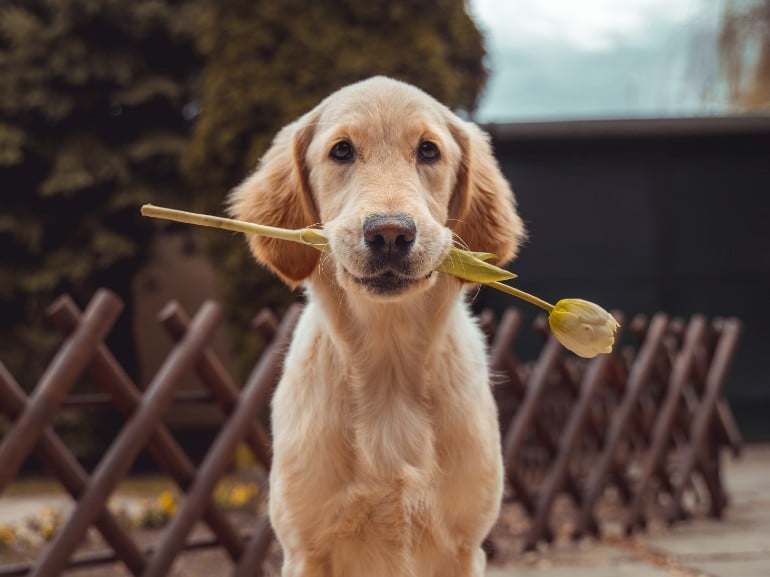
[(223, 223), (319, 241), (532, 299)]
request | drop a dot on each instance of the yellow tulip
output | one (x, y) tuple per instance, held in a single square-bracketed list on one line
[(583, 327)]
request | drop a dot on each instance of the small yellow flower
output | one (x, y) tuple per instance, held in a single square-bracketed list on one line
[(46, 523), (234, 495), (7, 536), (583, 327), (167, 503)]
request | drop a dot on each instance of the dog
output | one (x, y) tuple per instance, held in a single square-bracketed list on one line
[(387, 457)]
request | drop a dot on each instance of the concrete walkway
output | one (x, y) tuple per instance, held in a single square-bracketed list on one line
[(736, 546)]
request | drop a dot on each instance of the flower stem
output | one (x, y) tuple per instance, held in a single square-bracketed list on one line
[(223, 223), (316, 239), (521, 294)]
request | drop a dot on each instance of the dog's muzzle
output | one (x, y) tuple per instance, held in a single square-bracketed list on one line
[(389, 239)]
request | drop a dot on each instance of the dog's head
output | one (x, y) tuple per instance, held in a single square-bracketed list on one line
[(394, 177)]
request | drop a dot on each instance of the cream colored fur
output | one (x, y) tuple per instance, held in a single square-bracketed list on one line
[(387, 451)]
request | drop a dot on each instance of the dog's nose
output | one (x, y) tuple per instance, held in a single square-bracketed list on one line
[(390, 237)]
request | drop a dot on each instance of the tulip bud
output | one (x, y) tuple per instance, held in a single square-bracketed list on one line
[(583, 327)]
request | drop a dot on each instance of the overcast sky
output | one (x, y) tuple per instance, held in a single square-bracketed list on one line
[(598, 58)]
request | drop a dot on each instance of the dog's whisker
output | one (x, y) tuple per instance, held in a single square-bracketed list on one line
[(458, 241), (326, 258)]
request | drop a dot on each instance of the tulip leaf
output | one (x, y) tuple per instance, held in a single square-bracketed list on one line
[(471, 266)]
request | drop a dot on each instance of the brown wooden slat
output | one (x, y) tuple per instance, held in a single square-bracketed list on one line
[(60, 462), (700, 426), (68, 364), (162, 446), (557, 474), (637, 378), (251, 563), (255, 395), (526, 416), (661, 432), (101, 401), (223, 389), (134, 436)]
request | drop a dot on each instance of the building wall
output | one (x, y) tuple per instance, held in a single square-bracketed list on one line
[(639, 216)]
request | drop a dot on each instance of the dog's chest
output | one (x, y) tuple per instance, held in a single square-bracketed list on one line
[(414, 473), (392, 422), (392, 494), (386, 448)]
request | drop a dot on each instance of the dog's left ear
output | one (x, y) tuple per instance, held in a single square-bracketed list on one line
[(483, 207), (278, 194)]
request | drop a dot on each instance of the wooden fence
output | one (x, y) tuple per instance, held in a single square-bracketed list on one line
[(648, 421)]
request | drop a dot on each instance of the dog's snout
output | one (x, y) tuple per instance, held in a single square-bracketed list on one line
[(389, 236)]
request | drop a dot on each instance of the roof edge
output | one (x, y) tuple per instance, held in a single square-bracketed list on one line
[(631, 127)]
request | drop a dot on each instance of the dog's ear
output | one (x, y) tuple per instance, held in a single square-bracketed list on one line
[(483, 209), (278, 194)]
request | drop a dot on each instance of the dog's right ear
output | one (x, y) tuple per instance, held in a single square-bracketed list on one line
[(278, 194)]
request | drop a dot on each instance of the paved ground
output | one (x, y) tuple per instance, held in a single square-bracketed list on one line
[(736, 546)]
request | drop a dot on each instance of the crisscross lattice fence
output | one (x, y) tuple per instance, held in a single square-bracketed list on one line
[(648, 421)]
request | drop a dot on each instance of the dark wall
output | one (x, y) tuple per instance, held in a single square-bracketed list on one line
[(644, 217)]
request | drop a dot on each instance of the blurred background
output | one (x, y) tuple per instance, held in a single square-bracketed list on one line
[(636, 135)]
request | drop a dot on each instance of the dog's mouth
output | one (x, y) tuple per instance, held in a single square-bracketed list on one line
[(388, 283)]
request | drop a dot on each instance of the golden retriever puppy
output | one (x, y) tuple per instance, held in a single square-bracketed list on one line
[(387, 452)]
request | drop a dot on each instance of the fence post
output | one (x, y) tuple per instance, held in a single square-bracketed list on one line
[(217, 379), (70, 473), (680, 372), (162, 446), (255, 395), (256, 551), (523, 419), (568, 441), (640, 372), (129, 442), (70, 361), (705, 416)]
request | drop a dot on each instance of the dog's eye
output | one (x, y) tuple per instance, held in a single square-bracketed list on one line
[(428, 152), (342, 151)]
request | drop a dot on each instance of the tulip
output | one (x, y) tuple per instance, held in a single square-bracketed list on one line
[(581, 326)]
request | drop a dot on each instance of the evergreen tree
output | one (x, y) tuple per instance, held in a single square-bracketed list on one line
[(267, 62), (92, 125)]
